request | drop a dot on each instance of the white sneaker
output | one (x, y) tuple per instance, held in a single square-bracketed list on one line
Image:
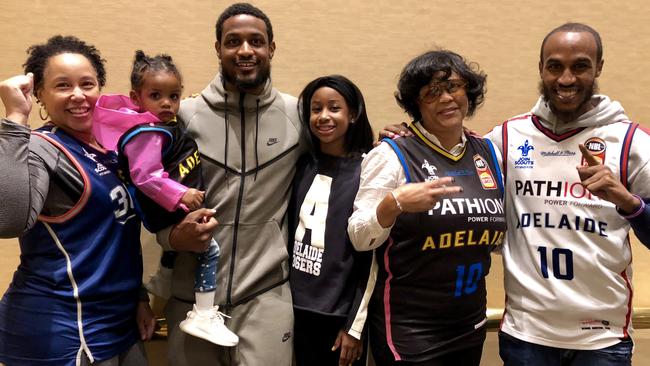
[(210, 326), (160, 284)]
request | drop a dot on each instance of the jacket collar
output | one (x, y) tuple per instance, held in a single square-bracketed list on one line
[(215, 94)]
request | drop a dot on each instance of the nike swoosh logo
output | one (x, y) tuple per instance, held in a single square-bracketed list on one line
[(271, 142), (286, 336)]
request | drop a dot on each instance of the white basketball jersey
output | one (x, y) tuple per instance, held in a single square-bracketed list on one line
[(567, 258)]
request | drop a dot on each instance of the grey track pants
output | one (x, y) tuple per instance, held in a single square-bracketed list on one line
[(264, 326)]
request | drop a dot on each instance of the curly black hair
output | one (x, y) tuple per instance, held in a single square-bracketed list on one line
[(143, 63), (39, 54), (239, 9), (420, 70), (359, 137)]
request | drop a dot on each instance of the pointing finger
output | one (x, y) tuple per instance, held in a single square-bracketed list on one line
[(590, 159)]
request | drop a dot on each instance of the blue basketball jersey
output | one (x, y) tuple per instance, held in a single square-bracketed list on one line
[(76, 288)]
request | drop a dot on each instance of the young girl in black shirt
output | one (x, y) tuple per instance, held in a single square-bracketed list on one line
[(330, 281)]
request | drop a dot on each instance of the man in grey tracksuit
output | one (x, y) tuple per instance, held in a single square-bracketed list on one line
[(249, 137)]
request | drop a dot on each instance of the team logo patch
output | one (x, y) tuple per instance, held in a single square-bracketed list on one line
[(525, 161), (484, 173), (99, 168), (597, 148), (431, 170)]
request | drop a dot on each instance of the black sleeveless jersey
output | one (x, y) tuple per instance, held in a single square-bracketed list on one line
[(180, 159), (430, 296)]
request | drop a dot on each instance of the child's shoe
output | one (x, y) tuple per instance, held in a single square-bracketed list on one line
[(209, 325), (160, 284)]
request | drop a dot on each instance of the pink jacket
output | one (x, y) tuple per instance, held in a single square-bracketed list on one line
[(116, 114)]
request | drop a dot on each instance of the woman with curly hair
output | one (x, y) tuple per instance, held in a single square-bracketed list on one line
[(74, 298), (431, 205)]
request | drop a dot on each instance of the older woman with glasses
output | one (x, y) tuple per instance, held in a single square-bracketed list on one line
[(431, 205)]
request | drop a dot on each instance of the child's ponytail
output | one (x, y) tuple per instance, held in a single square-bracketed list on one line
[(143, 63)]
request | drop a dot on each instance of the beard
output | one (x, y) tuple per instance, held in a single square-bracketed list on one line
[(587, 92), (263, 74)]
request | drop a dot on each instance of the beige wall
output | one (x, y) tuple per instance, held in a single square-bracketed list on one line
[(368, 41)]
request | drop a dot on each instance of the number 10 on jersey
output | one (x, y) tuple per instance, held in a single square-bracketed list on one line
[(467, 278), (561, 260)]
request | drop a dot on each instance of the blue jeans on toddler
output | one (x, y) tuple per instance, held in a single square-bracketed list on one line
[(205, 279), (515, 352)]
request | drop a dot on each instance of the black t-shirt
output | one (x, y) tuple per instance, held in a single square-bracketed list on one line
[(327, 275)]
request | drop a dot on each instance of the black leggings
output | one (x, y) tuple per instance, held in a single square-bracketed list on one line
[(314, 336)]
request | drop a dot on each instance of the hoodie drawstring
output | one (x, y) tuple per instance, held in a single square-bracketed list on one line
[(225, 153), (257, 127)]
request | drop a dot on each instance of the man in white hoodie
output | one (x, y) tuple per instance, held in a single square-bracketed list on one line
[(577, 173)]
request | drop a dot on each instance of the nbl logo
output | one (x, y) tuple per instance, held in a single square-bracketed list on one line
[(597, 148), (480, 164), (484, 173)]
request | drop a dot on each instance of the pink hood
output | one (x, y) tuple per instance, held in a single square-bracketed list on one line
[(114, 115)]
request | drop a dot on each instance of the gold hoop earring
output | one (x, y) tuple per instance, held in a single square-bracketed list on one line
[(40, 113)]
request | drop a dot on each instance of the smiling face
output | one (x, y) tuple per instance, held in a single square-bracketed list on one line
[(69, 91), (569, 68), (160, 94), (444, 114), (329, 120), (245, 53)]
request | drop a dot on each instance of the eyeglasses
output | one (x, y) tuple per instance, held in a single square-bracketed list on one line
[(452, 87)]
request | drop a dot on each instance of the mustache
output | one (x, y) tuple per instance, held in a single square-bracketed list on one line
[(545, 92), (263, 74)]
